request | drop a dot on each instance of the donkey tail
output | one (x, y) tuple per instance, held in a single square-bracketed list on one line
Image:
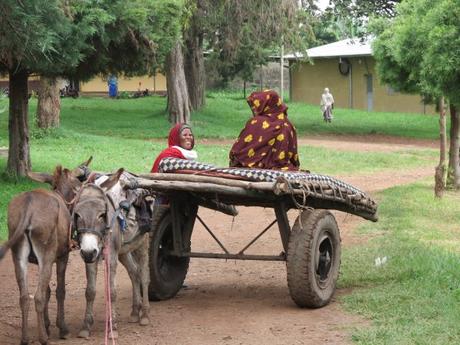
[(19, 232)]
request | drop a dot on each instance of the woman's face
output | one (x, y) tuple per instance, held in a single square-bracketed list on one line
[(186, 139)]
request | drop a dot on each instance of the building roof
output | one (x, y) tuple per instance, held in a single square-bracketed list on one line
[(345, 48)]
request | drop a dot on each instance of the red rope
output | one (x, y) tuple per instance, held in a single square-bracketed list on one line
[(108, 296)]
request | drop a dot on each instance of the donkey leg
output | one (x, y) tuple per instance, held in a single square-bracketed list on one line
[(144, 270), (91, 274), (113, 295), (132, 269), (61, 266), (46, 314), (45, 268), (20, 259)]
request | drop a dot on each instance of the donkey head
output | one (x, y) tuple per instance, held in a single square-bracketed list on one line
[(63, 181), (94, 215)]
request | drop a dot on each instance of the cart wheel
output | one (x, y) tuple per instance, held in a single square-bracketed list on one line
[(167, 272), (313, 258)]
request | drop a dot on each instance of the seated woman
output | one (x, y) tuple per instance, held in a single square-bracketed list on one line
[(268, 140), (180, 145)]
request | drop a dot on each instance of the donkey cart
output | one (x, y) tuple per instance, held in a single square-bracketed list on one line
[(311, 248)]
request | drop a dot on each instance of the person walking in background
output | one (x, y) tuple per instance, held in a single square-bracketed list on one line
[(327, 104), (113, 86)]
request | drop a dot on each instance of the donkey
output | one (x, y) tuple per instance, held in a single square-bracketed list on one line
[(38, 232), (97, 222)]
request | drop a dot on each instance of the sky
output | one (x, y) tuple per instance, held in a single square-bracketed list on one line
[(322, 4)]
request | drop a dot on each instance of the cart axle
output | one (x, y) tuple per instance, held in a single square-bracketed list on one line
[(281, 257)]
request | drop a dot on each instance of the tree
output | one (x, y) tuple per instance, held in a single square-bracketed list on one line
[(195, 74), (337, 23), (77, 39), (31, 32), (49, 103), (178, 99), (244, 34), (358, 12), (239, 36), (417, 52)]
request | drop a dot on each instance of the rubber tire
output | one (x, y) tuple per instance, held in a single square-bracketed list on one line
[(167, 273), (315, 230)]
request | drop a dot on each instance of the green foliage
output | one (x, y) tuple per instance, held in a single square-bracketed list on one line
[(241, 35), (131, 37), (413, 298), (356, 13), (331, 25), (84, 38), (417, 51), (33, 36)]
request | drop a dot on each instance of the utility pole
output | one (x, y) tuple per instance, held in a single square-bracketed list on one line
[(282, 72)]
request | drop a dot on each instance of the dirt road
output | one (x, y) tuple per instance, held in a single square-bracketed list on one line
[(225, 302)]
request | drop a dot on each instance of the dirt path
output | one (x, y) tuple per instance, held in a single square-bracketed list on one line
[(225, 302), (363, 143)]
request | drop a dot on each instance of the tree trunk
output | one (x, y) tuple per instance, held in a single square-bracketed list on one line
[(178, 98), (18, 127), (49, 103), (440, 176), (194, 60), (454, 168)]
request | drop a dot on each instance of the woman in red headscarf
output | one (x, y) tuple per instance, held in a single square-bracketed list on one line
[(180, 145), (268, 140)]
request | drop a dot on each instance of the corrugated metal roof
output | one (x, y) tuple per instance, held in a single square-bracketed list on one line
[(345, 48)]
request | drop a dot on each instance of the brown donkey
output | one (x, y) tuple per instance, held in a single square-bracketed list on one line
[(38, 232)]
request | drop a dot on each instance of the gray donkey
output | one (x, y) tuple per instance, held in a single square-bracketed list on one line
[(98, 221), (38, 232)]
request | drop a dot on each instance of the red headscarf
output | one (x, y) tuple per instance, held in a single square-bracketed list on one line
[(268, 140), (171, 151)]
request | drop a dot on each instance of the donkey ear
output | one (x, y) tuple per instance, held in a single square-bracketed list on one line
[(40, 177), (65, 172), (82, 172), (87, 163), (112, 180)]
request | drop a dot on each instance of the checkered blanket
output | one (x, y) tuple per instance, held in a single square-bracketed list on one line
[(257, 175), (305, 188)]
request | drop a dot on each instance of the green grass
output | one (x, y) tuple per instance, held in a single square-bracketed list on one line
[(223, 117), (414, 297)]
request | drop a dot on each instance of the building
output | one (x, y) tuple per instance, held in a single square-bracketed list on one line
[(98, 85), (347, 68)]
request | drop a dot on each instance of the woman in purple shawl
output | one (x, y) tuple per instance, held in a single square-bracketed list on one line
[(269, 140)]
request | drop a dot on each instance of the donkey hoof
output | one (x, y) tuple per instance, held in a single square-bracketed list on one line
[(84, 333), (24, 342), (113, 334), (134, 318), (144, 321), (64, 333)]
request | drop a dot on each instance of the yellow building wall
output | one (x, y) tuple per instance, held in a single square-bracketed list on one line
[(308, 82), (156, 83)]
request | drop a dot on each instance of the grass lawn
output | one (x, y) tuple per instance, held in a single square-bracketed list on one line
[(223, 117), (412, 299)]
